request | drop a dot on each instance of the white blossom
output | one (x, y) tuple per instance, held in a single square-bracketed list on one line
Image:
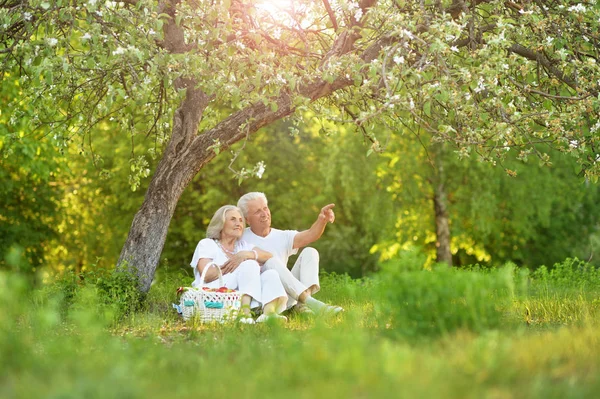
[(480, 85), (260, 169), (27, 16), (573, 144), (577, 8), (87, 36), (398, 59), (52, 41), (454, 48), (119, 50), (358, 14)]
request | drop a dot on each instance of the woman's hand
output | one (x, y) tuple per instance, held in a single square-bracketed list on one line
[(234, 262)]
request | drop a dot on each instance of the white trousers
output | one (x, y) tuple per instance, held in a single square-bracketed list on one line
[(261, 287), (303, 276)]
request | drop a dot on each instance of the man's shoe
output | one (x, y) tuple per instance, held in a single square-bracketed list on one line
[(302, 308), (263, 317), (331, 310)]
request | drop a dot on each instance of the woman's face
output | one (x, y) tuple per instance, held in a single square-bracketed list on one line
[(234, 225)]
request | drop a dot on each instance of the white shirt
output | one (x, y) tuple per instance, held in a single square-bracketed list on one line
[(209, 249), (278, 242)]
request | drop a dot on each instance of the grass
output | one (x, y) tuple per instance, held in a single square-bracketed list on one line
[(504, 334)]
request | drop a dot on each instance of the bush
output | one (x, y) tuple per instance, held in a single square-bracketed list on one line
[(120, 290), (572, 273), (445, 299)]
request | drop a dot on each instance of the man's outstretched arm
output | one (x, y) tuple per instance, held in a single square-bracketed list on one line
[(315, 232)]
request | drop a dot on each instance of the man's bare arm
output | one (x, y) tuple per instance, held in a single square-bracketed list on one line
[(315, 232)]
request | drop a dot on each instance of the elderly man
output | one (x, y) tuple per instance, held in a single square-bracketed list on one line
[(303, 280)]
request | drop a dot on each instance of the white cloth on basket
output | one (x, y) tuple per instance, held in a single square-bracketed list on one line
[(305, 272)]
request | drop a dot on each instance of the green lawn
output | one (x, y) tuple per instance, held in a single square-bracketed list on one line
[(430, 334)]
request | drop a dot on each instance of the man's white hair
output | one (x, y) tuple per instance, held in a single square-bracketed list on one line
[(244, 199), (218, 221)]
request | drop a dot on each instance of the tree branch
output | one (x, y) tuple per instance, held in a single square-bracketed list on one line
[(331, 14), (548, 95), (543, 61), (257, 115)]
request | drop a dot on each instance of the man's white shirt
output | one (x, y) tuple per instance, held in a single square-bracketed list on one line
[(278, 242)]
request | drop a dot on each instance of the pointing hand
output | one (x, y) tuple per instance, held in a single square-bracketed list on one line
[(327, 213)]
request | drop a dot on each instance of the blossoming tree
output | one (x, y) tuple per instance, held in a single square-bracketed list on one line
[(197, 76)]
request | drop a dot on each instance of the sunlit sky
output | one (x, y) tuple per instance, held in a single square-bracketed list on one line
[(280, 10)]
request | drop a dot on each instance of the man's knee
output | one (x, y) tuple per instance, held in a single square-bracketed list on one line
[(310, 253), (275, 264)]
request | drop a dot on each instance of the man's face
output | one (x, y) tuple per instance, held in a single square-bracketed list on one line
[(259, 215)]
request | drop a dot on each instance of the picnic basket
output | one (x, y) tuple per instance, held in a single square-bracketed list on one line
[(208, 305)]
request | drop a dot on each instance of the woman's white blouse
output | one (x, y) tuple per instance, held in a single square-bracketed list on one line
[(209, 249)]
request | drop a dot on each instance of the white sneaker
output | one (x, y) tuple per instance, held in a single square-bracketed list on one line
[(263, 317), (302, 308), (331, 310)]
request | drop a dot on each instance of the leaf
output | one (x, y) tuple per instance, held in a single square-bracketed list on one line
[(442, 96), (427, 108)]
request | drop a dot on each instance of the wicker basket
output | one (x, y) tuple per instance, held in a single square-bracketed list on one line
[(209, 306)]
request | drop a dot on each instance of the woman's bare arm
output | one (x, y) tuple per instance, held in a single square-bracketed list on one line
[(211, 274)]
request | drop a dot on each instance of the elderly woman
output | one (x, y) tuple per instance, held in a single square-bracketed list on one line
[(240, 265)]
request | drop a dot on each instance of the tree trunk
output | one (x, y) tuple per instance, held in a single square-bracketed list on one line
[(442, 225), (175, 170)]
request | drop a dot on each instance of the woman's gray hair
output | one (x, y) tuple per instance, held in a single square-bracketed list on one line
[(218, 221), (244, 199)]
